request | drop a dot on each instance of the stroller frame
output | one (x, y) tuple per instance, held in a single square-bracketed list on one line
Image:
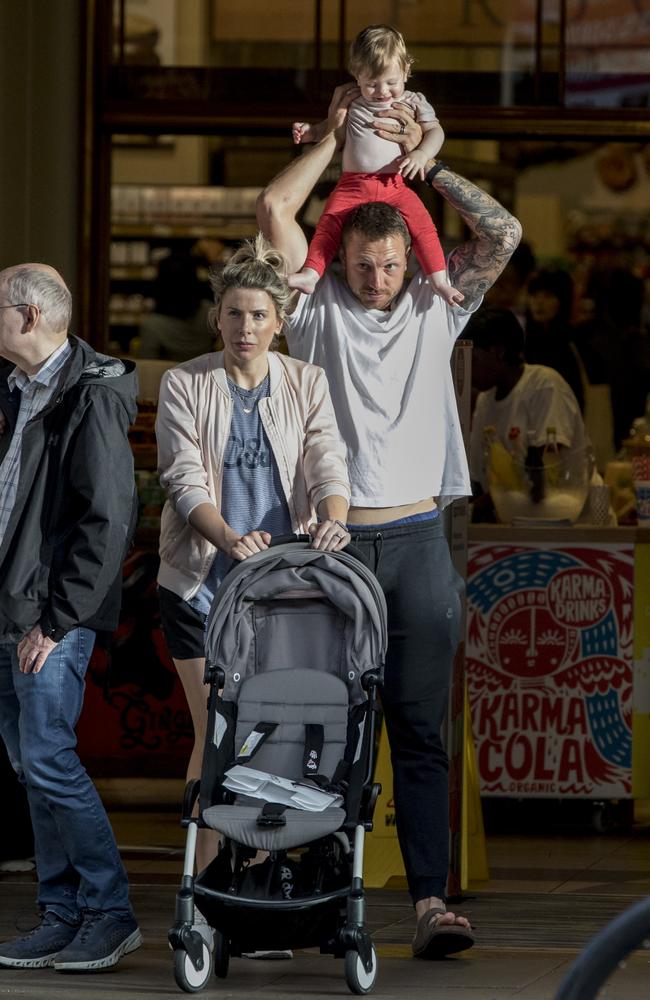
[(332, 919)]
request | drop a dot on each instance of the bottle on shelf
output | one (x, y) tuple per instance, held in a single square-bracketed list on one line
[(516, 445), (517, 450), (535, 467), (551, 457), (502, 469), (640, 429), (637, 446)]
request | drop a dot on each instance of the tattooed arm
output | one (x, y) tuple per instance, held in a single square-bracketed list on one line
[(475, 266)]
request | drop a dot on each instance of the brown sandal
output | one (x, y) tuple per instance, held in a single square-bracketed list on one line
[(435, 940)]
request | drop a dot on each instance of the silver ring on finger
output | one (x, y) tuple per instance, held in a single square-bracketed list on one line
[(402, 128)]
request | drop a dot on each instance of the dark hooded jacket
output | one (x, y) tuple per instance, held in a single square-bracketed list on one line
[(76, 505)]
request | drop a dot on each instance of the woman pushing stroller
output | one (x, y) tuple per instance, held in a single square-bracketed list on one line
[(248, 449)]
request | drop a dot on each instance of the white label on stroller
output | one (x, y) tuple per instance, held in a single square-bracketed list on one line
[(357, 752), (220, 727), (250, 743)]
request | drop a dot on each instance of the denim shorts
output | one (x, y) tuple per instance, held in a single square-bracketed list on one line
[(183, 627)]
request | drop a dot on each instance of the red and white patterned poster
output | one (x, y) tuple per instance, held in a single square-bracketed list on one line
[(550, 667)]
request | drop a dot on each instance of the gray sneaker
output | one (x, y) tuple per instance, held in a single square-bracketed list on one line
[(101, 941), (38, 948)]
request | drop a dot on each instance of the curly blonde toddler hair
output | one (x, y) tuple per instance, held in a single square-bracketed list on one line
[(375, 47)]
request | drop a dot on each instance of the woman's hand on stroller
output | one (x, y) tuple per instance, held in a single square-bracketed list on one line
[(249, 544), (329, 535)]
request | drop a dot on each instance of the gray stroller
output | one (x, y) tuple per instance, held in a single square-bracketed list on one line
[(295, 649)]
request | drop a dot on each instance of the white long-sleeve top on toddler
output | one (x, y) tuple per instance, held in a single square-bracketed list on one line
[(367, 153)]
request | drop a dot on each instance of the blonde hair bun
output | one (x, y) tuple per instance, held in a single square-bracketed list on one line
[(256, 265)]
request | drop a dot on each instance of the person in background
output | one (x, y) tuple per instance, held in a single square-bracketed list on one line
[(68, 506), (612, 346), (548, 327), (514, 398), (177, 329), (509, 290), (385, 343), (381, 65), (248, 449)]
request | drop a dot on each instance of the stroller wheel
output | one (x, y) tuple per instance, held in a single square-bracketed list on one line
[(359, 981), (221, 955), (189, 979)]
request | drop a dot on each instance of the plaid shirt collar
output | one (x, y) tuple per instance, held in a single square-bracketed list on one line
[(50, 367)]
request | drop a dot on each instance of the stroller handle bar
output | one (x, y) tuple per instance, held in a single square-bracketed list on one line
[(288, 539), (351, 549)]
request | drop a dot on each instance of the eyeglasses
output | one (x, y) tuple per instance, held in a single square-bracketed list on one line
[(15, 305)]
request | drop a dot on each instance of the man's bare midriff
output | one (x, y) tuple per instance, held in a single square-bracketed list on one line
[(381, 515)]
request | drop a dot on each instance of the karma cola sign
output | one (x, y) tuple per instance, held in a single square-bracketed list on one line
[(549, 664)]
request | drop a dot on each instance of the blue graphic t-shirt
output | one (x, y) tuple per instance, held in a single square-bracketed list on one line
[(252, 496)]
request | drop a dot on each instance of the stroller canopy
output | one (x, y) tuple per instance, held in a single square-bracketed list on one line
[(276, 609)]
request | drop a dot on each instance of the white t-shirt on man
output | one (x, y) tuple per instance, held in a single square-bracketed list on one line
[(390, 379), (540, 399)]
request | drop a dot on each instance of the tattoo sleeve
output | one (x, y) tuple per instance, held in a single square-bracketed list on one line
[(475, 266)]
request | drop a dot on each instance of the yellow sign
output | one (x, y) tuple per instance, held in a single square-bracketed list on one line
[(382, 856)]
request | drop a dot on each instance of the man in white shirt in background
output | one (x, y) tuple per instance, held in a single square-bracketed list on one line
[(386, 345), (522, 405)]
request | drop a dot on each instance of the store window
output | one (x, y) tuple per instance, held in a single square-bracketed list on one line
[(607, 54), (500, 53)]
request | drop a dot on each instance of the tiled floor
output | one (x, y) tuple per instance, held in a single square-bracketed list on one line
[(548, 893)]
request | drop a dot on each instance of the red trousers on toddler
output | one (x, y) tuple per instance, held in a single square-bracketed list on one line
[(355, 189)]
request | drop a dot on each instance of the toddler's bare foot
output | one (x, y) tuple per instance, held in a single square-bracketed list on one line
[(443, 288), (305, 280)]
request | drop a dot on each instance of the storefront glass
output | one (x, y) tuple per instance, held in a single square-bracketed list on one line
[(497, 53), (607, 54)]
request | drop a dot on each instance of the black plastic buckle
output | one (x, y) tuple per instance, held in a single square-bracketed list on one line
[(272, 814)]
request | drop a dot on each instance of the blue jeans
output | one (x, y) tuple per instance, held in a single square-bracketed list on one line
[(77, 861)]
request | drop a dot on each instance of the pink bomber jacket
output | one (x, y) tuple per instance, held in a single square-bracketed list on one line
[(192, 428)]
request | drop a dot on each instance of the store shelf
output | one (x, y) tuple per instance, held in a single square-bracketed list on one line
[(222, 229), (150, 222), (133, 272)]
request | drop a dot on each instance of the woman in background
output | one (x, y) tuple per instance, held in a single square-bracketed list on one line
[(548, 327)]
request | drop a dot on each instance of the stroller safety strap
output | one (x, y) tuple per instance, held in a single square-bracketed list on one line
[(314, 739), (313, 749), (255, 739)]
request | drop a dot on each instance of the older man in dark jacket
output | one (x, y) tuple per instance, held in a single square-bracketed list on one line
[(67, 508)]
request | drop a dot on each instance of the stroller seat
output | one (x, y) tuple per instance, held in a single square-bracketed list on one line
[(309, 710), (240, 823)]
